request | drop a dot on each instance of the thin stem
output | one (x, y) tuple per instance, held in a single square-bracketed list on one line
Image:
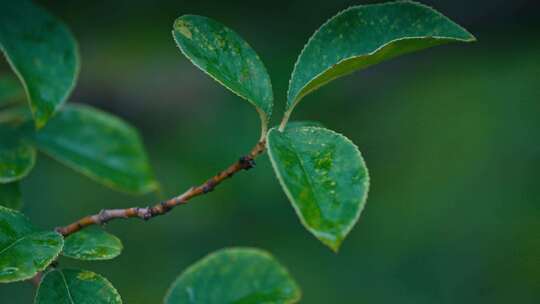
[(244, 163), (36, 280), (284, 121), (264, 125)]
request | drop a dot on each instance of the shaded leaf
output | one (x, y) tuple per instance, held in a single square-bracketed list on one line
[(92, 245), (99, 145), (17, 157), (226, 57), (24, 251), (72, 286), (10, 195), (234, 275), (10, 90), (324, 177), (43, 54), (365, 35)]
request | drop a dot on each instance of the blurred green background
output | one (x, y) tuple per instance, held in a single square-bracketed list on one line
[(450, 135)]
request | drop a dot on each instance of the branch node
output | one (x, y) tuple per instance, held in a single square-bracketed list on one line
[(247, 162), (209, 186), (147, 213), (244, 163), (102, 217), (143, 213), (165, 207)]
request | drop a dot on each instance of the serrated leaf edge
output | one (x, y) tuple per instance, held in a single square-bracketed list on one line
[(348, 228), (300, 95), (204, 260), (264, 118)]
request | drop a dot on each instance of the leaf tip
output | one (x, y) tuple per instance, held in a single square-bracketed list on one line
[(332, 241), (334, 246), (182, 26)]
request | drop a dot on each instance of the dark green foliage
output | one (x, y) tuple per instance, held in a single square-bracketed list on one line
[(322, 172), (42, 52), (72, 286), (99, 145), (24, 250), (222, 54), (92, 245), (234, 275), (365, 35), (325, 179)]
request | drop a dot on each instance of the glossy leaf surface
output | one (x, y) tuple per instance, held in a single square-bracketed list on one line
[(226, 57), (92, 245), (71, 286), (99, 145), (24, 250), (234, 275), (324, 177), (365, 35), (43, 54)]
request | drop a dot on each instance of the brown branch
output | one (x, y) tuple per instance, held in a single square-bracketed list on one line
[(244, 163), (36, 280)]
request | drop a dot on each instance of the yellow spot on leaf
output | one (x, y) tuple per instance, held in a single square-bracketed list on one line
[(86, 276), (183, 28)]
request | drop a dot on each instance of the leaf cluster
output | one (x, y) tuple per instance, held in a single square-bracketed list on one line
[(322, 172)]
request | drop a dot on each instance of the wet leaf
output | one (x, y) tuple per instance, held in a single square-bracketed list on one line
[(43, 54), (226, 57), (234, 275), (324, 177), (92, 245), (99, 145), (72, 286), (365, 35), (24, 250)]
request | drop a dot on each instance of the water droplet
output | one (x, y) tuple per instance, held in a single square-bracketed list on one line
[(8, 271)]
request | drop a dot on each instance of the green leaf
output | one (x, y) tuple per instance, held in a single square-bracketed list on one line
[(10, 90), (99, 145), (226, 57), (43, 54), (324, 177), (303, 123), (24, 251), (73, 286), (10, 195), (234, 275), (92, 245), (365, 35), (17, 157)]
